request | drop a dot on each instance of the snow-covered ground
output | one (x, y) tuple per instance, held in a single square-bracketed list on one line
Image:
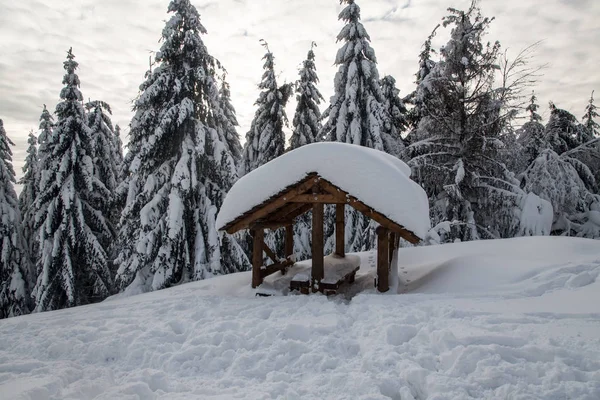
[(510, 319)]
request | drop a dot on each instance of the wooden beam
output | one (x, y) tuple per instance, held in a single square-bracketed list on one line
[(289, 240), (383, 262), (298, 212), (271, 269), (271, 205), (270, 253), (340, 228), (291, 216), (273, 225), (283, 212), (258, 237), (317, 244), (319, 198)]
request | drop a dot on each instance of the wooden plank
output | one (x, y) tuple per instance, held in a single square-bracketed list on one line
[(383, 263), (270, 253), (369, 212), (317, 244), (271, 205), (289, 240), (349, 277), (271, 269), (258, 237), (340, 228), (318, 198)]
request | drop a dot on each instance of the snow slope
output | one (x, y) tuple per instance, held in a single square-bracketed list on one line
[(509, 319)]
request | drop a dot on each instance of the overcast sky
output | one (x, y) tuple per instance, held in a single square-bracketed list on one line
[(113, 39)]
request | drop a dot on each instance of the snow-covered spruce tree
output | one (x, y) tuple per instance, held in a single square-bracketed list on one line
[(29, 193), (459, 135), (592, 149), (356, 114), (120, 194), (307, 118), (565, 182), (118, 149), (397, 113), (531, 135), (589, 119), (44, 137), (14, 290), (107, 159), (563, 131), (104, 152), (306, 129), (265, 140), (228, 123), (418, 97), (72, 268), (175, 178)]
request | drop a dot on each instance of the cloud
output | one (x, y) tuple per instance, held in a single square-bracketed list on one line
[(113, 40)]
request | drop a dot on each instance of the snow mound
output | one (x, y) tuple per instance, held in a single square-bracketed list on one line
[(378, 179), (504, 319)]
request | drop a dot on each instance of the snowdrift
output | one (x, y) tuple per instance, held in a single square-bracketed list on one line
[(516, 318)]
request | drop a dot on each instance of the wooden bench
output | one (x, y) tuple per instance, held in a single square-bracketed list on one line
[(338, 270)]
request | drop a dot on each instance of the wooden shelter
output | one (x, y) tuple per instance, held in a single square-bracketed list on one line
[(311, 194)]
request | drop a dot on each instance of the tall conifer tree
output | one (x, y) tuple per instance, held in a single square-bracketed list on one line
[(307, 118), (355, 115), (531, 135), (14, 294), (44, 137), (589, 119), (27, 197), (307, 127), (455, 156), (229, 122), (397, 116), (72, 268), (176, 178), (265, 140)]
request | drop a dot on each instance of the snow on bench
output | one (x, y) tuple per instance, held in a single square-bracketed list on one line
[(337, 271)]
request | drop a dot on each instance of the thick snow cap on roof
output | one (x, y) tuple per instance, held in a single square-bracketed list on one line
[(378, 179)]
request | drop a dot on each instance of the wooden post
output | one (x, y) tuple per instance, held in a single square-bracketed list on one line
[(289, 240), (340, 241), (392, 245), (383, 262), (289, 244), (258, 237), (317, 244)]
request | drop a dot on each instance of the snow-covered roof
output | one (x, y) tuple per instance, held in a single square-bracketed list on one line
[(375, 178)]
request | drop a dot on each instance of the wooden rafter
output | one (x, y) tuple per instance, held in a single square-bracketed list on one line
[(283, 212), (263, 210)]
